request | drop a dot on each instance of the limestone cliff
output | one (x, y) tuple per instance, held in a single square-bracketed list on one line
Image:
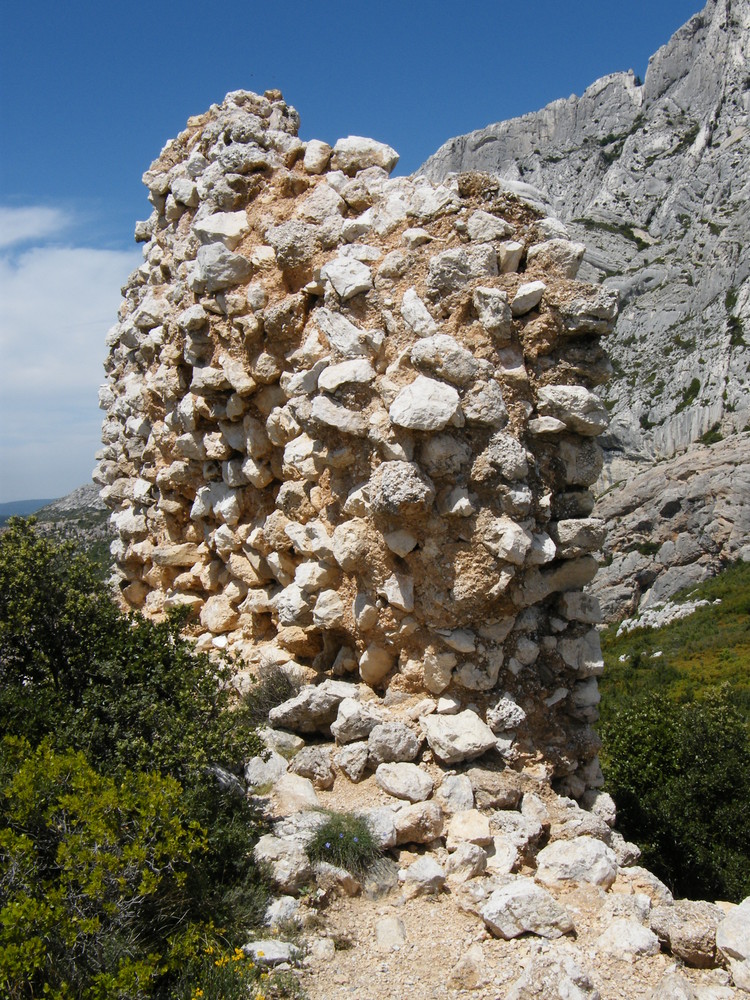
[(653, 178)]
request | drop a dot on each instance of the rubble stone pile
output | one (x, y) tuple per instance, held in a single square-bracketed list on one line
[(350, 423)]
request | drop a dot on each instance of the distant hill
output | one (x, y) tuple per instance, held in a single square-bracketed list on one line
[(80, 517), (20, 508)]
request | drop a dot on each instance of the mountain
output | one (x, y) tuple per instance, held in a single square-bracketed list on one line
[(20, 508), (79, 517), (653, 179)]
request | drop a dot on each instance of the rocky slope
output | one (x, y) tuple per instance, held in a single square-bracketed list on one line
[(653, 178)]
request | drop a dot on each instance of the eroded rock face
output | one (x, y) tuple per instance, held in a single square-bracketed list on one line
[(350, 422)]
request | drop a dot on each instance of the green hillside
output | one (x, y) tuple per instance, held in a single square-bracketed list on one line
[(705, 649)]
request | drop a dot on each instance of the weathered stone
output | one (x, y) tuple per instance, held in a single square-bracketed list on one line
[(466, 862), (390, 934), (290, 867), (314, 708), (222, 227), (528, 296), (627, 938), (419, 823), (357, 153), (733, 942), (483, 227), (524, 907), (271, 951), (426, 405), (458, 737), (468, 826), (293, 793), (392, 742), (582, 859), (314, 763), (688, 929), (217, 268), (416, 315), (424, 876), (404, 781), (352, 760), (355, 720)]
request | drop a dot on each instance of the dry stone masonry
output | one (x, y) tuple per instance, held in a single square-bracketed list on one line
[(350, 422)]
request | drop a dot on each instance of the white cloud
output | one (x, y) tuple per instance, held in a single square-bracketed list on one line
[(31, 224), (56, 305)]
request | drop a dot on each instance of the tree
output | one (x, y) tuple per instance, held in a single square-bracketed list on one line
[(680, 775)]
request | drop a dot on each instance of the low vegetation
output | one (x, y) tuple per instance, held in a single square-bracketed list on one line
[(708, 648), (675, 727), (123, 858), (346, 841)]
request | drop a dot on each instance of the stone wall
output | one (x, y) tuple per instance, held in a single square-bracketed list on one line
[(350, 423)]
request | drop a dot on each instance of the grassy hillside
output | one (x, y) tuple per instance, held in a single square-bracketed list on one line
[(709, 647)]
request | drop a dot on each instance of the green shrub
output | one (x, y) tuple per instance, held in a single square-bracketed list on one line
[(133, 696), (131, 693), (680, 775), (344, 840), (94, 876)]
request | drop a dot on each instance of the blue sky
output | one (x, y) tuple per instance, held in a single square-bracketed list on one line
[(90, 92)]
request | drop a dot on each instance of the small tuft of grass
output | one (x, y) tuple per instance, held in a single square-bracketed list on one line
[(271, 688), (344, 840)]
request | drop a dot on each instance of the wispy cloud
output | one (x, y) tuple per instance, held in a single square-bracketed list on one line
[(56, 304), (31, 224)]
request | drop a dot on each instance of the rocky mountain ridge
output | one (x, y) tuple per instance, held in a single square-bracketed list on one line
[(653, 178)]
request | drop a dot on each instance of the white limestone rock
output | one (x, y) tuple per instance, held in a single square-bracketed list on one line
[(227, 228), (314, 708), (317, 156), (580, 409), (626, 938), (355, 153), (457, 737), (522, 907), (494, 312), (426, 405), (416, 315), (290, 868), (425, 876), (483, 227), (733, 941), (582, 859), (527, 297), (393, 742), (355, 720), (404, 781), (468, 826), (349, 277), (293, 793), (352, 760)]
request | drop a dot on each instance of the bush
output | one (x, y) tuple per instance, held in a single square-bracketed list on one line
[(680, 775), (344, 840), (126, 705), (94, 876), (131, 693)]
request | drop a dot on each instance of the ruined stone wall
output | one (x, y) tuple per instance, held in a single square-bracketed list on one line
[(349, 422)]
